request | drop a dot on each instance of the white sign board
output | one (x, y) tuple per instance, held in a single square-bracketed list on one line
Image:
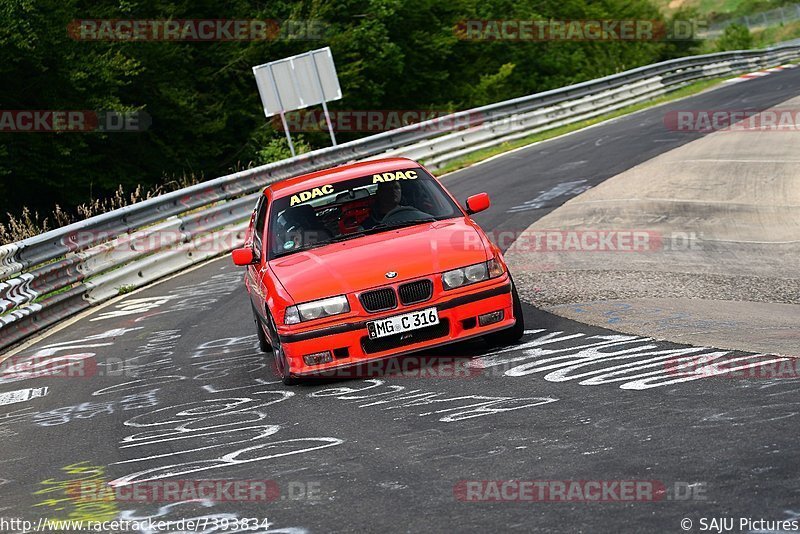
[(298, 82)]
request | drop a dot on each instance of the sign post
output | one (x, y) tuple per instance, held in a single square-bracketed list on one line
[(297, 82)]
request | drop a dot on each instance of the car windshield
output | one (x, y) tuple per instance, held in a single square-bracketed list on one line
[(349, 209)]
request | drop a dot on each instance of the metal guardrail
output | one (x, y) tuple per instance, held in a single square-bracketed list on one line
[(48, 277)]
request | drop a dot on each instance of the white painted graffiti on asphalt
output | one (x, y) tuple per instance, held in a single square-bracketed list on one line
[(136, 306), (9, 420), (195, 297), (633, 362), (216, 359), (448, 409), (138, 384), (546, 198), (198, 297), (235, 427), (160, 344), (87, 410), (226, 356), (44, 361), (176, 522)]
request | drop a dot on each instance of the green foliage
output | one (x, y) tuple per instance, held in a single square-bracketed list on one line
[(277, 148), (735, 37), (683, 47), (125, 289), (776, 34), (491, 85), (203, 101)]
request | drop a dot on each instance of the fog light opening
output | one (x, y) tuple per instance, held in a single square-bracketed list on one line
[(318, 358), (490, 318)]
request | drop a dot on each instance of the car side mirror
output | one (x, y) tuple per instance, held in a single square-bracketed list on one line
[(477, 203), (244, 256)]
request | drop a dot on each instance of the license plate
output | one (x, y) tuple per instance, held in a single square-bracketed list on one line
[(403, 323)]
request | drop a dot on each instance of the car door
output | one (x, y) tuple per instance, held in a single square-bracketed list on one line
[(256, 270)]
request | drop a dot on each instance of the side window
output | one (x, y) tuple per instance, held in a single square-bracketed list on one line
[(258, 234)]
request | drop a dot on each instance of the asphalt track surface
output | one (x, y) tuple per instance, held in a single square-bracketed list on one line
[(178, 391)]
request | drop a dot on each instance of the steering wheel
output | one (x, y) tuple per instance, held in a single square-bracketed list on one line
[(396, 215)]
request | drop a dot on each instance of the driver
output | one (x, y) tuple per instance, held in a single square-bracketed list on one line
[(387, 207)]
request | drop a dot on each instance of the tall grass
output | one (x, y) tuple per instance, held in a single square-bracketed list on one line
[(27, 223)]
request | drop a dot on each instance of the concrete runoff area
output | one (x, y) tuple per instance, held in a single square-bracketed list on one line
[(698, 245)]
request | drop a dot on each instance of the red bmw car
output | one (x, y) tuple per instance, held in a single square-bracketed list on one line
[(370, 261)]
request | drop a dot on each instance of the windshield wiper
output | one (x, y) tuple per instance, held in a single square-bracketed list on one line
[(412, 223), (301, 249), (357, 233)]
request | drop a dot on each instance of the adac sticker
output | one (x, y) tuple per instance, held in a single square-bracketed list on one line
[(311, 193), (391, 176)]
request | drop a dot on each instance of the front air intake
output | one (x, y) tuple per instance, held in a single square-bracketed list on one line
[(378, 299), (414, 292)]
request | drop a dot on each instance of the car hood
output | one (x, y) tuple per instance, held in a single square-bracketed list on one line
[(363, 262)]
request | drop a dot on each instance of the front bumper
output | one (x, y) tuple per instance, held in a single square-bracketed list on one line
[(350, 345)]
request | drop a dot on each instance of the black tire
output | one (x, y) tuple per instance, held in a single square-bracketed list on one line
[(512, 334), (263, 344), (281, 365)]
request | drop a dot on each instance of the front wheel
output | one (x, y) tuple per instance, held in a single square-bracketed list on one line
[(281, 361), (512, 334)]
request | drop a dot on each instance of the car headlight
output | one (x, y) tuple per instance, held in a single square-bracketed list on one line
[(308, 311), (471, 274)]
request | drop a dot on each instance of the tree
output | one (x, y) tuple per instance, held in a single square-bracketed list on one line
[(202, 98), (735, 37)]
